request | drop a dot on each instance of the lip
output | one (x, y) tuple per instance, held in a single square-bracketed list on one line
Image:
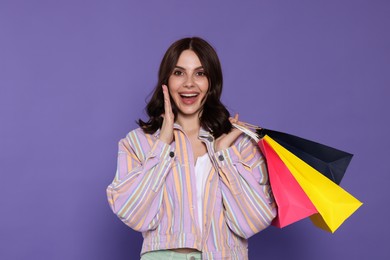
[(188, 98), (189, 93)]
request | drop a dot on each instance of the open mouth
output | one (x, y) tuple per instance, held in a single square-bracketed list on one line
[(189, 98), (189, 95)]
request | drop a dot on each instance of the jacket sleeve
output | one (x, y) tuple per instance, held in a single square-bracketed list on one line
[(136, 193), (247, 198)]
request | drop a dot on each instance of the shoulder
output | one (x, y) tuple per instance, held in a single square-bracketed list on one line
[(139, 137), (244, 141), (137, 142), (248, 149)]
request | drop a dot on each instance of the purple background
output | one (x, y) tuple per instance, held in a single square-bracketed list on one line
[(74, 76)]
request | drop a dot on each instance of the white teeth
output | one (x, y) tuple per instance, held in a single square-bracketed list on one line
[(189, 95)]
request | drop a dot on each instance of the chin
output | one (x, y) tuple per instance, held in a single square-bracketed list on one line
[(188, 112)]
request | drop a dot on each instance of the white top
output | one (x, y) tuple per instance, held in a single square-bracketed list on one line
[(202, 168)]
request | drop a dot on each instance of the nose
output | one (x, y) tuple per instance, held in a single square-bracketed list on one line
[(189, 81)]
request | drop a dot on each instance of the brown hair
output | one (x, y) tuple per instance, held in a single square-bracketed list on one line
[(215, 116)]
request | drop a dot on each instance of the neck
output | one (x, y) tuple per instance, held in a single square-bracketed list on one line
[(189, 124)]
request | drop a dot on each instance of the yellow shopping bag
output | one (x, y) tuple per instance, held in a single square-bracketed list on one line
[(334, 204)]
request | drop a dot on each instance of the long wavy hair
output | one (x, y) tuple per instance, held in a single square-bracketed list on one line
[(214, 116)]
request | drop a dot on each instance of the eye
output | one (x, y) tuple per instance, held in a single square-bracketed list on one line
[(201, 73), (177, 73)]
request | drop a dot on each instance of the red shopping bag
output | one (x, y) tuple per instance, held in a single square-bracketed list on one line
[(292, 202)]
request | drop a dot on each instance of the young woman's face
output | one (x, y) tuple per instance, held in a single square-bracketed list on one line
[(188, 84)]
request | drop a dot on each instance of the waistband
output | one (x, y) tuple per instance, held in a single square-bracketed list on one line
[(170, 255)]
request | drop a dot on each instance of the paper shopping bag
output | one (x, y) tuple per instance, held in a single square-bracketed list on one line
[(334, 204), (292, 202)]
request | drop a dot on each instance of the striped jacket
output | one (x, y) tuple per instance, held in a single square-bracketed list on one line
[(154, 192)]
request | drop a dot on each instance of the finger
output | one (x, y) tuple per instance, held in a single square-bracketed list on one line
[(167, 101), (234, 120)]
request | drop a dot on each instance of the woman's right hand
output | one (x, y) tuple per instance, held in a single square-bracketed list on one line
[(166, 133)]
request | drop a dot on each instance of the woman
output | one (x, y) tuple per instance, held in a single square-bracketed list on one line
[(187, 180)]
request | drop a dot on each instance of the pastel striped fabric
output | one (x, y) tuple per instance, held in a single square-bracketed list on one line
[(154, 192)]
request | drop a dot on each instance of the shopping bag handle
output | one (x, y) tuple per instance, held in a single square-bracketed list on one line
[(244, 127)]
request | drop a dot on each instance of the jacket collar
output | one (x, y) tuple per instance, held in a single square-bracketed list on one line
[(203, 133)]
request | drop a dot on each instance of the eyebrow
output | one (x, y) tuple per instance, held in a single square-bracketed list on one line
[(200, 67)]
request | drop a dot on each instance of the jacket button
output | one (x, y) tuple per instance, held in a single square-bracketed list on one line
[(171, 154), (221, 158)]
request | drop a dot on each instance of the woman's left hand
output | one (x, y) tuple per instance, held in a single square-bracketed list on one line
[(226, 140)]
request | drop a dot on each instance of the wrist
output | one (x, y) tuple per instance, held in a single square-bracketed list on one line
[(221, 148), (165, 139)]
